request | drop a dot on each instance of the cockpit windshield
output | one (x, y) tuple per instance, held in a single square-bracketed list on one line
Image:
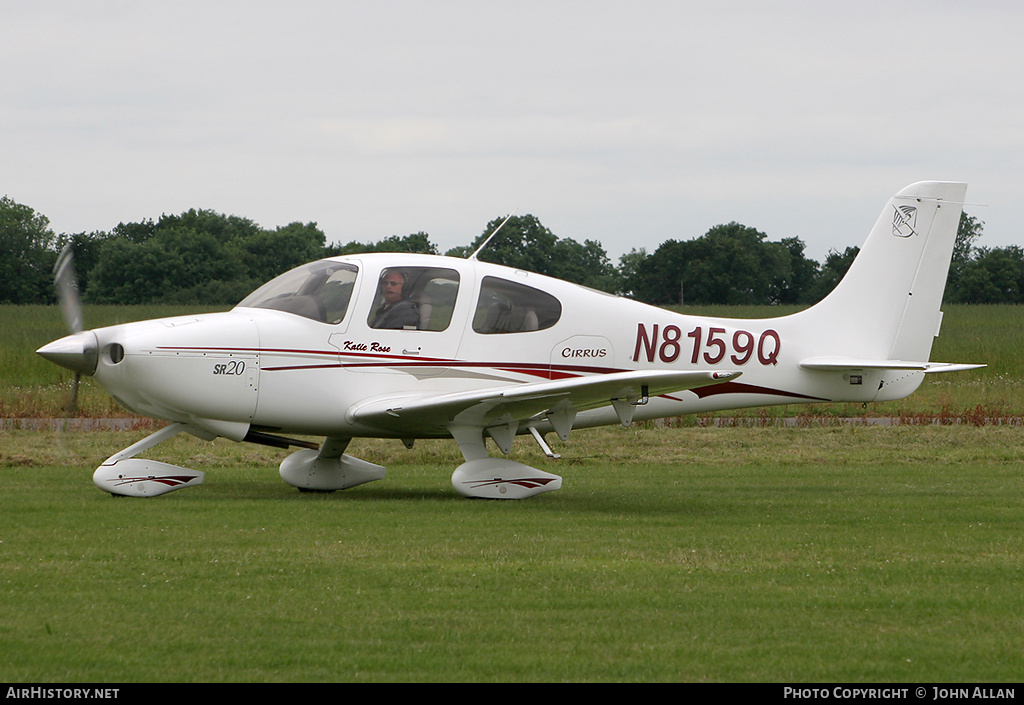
[(320, 290)]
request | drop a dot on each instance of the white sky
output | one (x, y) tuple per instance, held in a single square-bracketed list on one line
[(627, 122)]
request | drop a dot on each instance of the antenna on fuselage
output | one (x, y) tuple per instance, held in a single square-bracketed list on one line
[(482, 246)]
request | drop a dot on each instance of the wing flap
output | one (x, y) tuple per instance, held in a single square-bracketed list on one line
[(516, 403)]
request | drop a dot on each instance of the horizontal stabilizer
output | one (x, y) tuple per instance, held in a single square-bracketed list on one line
[(842, 364)]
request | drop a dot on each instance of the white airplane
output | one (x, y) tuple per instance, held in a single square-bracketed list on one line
[(411, 346)]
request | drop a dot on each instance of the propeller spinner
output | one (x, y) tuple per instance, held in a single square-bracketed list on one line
[(78, 352)]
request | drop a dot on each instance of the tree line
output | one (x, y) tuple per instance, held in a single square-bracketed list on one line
[(205, 257)]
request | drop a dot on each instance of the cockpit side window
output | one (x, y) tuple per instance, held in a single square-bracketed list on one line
[(415, 298), (319, 290), (509, 307)]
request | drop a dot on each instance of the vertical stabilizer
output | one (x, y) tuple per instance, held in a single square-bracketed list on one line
[(887, 305)]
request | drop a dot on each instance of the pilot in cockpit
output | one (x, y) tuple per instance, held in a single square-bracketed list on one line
[(396, 311)]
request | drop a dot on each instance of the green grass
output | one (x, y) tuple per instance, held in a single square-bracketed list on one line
[(837, 554), (674, 552)]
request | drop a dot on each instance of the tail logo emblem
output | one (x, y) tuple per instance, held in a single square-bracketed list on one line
[(904, 221)]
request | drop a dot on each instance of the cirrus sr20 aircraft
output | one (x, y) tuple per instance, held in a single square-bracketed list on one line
[(409, 346)]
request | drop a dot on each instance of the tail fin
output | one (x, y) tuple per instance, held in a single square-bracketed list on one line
[(887, 305)]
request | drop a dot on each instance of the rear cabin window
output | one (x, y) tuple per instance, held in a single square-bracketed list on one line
[(414, 298), (509, 307)]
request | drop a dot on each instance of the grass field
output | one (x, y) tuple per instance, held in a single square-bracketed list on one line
[(824, 552), (838, 554)]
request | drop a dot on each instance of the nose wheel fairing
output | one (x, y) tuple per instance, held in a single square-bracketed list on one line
[(124, 474), (328, 469)]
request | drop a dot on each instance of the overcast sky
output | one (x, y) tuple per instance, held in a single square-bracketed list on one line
[(628, 123)]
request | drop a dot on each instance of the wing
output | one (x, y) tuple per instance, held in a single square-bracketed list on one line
[(557, 401), (840, 364)]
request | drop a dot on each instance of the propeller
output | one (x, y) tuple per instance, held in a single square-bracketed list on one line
[(67, 289), (66, 281)]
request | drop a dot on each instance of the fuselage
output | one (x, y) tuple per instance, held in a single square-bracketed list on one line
[(300, 352)]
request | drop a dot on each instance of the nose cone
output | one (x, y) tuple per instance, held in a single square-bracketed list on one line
[(78, 353)]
